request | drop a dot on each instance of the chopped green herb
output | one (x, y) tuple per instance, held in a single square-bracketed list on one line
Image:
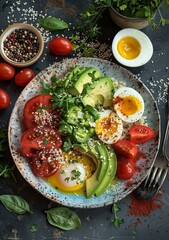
[(45, 142), (117, 221), (67, 179), (34, 228), (76, 173)]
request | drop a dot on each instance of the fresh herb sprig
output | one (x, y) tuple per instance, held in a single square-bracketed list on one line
[(89, 29), (117, 221)]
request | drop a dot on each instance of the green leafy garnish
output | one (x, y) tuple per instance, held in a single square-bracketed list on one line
[(52, 24), (117, 221), (34, 228), (67, 145), (15, 204), (63, 218)]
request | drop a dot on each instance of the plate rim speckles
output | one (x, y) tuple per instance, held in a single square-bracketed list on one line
[(122, 188)]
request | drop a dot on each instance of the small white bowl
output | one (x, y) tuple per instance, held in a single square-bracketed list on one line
[(146, 47), (9, 31)]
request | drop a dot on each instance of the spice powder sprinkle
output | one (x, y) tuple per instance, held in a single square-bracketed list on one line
[(21, 45)]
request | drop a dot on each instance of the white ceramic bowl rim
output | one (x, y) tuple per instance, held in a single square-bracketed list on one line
[(146, 47)]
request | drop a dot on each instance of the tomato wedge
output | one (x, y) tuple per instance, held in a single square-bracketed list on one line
[(125, 168), (38, 112), (46, 162), (39, 138), (125, 148), (141, 134)]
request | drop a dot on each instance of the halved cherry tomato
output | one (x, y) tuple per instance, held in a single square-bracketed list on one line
[(39, 138), (46, 162), (125, 168), (141, 134), (125, 148), (23, 77), (4, 99), (6, 71), (37, 111), (60, 46)]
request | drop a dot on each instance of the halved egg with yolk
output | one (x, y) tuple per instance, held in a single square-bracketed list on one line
[(132, 47), (109, 127), (73, 172), (128, 104)]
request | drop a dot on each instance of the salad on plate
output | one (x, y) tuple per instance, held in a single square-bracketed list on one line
[(83, 131)]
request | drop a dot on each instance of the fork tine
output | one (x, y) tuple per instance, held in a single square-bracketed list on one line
[(151, 177), (163, 176), (158, 175)]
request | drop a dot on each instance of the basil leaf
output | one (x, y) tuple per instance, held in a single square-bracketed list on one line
[(63, 218), (15, 204), (52, 23)]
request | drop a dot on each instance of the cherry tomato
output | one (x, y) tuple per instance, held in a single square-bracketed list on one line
[(39, 138), (4, 99), (60, 46), (125, 148), (23, 77), (46, 162), (6, 71), (125, 168), (37, 111), (141, 134)]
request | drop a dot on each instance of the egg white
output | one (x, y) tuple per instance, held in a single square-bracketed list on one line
[(145, 43), (109, 127), (136, 101)]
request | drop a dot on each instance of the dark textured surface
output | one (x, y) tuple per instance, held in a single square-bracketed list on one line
[(96, 223)]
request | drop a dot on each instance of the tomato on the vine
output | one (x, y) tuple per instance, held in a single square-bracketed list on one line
[(4, 99), (39, 138), (60, 46), (141, 134), (125, 148), (125, 167), (23, 77), (38, 111), (6, 71)]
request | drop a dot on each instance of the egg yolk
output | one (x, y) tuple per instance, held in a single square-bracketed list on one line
[(129, 105), (129, 47), (106, 125), (73, 173)]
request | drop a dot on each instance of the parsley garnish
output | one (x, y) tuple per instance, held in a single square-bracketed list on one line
[(117, 221)]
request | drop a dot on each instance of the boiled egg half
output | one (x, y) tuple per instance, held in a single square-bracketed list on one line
[(128, 104), (73, 172), (109, 127), (132, 48)]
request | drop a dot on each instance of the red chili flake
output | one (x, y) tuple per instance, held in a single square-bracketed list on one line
[(144, 208)]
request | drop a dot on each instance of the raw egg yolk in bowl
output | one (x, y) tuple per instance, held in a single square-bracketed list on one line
[(132, 48), (73, 172)]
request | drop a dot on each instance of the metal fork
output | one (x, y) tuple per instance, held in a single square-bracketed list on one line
[(158, 172)]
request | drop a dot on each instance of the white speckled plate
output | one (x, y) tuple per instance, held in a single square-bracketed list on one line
[(122, 188)]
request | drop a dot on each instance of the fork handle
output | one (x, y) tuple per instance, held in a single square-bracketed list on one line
[(164, 147)]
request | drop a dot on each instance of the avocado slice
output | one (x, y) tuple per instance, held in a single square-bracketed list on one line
[(99, 92), (93, 182), (83, 78), (106, 166), (109, 175)]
